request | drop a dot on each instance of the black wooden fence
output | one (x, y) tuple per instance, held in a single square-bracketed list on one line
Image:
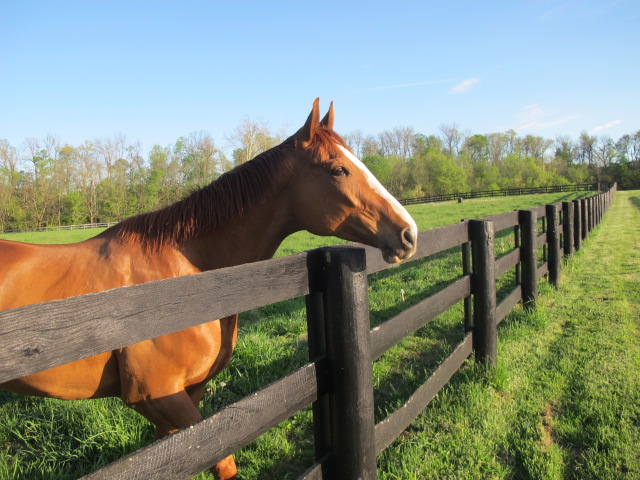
[(503, 193), (337, 381)]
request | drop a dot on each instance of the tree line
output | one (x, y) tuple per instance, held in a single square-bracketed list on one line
[(47, 182)]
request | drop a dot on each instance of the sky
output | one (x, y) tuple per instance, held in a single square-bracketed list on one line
[(154, 71)]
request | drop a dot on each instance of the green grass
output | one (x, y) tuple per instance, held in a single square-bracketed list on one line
[(517, 421)]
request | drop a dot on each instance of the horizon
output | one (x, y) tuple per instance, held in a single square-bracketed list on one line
[(157, 72)]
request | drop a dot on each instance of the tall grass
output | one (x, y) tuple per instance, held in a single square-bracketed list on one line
[(50, 439)]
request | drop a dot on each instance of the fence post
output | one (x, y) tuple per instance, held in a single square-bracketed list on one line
[(528, 256), (553, 241), (577, 230), (583, 220), (346, 310), (518, 269), (485, 333), (466, 270), (567, 227)]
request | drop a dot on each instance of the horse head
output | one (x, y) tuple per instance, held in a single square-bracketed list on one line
[(336, 194)]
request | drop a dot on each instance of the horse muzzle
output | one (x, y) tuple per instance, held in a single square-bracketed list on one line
[(400, 248)]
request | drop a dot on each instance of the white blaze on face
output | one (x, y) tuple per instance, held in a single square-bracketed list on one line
[(380, 190)]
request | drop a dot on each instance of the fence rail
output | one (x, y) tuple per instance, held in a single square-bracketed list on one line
[(341, 346), (502, 193)]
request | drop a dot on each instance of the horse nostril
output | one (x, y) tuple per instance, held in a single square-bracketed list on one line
[(409, 237)]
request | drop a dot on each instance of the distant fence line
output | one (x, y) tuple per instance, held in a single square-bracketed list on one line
[(504, 193), (63, 227), (337, 380)]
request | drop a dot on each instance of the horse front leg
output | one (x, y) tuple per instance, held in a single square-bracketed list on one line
[(225, 468), (175, 412)]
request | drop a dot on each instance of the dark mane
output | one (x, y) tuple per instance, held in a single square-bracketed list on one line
[(206, 209)]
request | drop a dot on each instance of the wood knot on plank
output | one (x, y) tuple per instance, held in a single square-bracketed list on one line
[(31, 351)]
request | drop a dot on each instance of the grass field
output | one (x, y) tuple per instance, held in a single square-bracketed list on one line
[(562, 403)]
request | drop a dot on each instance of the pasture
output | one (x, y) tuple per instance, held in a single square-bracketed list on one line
[(50, 439)]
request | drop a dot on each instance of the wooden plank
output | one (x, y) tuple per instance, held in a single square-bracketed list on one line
[(507, 261), (541, 211), (391, 427), (318, 471), (542, 271), (45, 335), (502, 220), (195, 449), (387, 334), (541, 240), (506, 305), (430, 242)]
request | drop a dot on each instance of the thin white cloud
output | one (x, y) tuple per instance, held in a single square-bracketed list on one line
[(535, 117), (600, 128), (465, 85), (406, 85)]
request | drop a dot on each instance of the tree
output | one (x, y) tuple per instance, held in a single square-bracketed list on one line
[(38, 188), (476, 148), (9, 179), (497, 145), (200, 160), (397, 142), (452, 138), (437, 173), (87, 178), (534, 146), (355, 141), (251, 138), (586, 145)]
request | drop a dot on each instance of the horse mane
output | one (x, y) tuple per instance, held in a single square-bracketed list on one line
[(224, 199), (210, 207)]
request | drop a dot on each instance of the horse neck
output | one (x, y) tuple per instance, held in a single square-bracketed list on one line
[(253, 235)]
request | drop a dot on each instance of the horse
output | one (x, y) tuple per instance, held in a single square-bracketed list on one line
[(312, 181)]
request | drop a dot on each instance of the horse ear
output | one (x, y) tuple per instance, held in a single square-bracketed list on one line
[(327, 121), (309, 129)]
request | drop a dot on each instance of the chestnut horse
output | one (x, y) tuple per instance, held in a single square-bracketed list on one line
[(312, 181)]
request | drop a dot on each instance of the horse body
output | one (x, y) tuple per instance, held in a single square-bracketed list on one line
[(311, 181)]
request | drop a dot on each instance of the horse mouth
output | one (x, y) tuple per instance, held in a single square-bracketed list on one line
[(392, 256)]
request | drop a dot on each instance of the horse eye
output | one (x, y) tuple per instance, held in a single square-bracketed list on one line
[(338, 171)]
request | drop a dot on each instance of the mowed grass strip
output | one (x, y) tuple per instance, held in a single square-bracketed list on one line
[(44, 438)]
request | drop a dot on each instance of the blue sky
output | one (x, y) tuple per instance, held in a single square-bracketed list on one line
[(155, 71)]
